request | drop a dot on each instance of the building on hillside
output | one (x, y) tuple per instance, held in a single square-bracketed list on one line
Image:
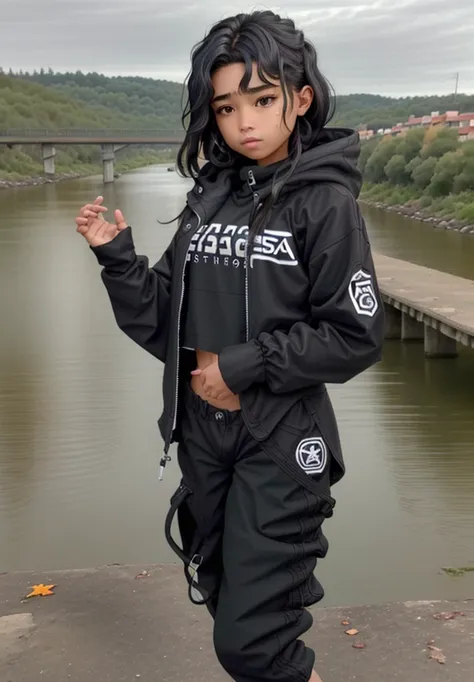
[(365, 134), (450, 119), (466, 132)]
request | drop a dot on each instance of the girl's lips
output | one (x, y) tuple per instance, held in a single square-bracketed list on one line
[(251, 142)]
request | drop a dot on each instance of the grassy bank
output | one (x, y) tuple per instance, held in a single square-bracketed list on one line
[(454, 211), (22, 169)]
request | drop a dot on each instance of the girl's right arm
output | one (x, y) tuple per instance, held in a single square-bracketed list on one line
[(139, 295)]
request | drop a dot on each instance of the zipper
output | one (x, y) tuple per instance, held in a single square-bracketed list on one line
[(166, 457), (247, 291), (256, 206)]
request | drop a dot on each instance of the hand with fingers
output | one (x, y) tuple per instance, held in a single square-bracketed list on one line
[(91, 224)]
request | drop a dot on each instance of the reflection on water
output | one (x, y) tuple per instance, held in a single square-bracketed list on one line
[(420, 243), (79, 445)]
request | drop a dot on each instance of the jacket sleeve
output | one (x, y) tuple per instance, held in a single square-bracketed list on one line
[(345, 328), (140, 295)]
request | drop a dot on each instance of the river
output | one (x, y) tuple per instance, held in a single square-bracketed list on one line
[(79, 444)]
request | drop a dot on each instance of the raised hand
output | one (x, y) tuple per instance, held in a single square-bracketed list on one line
[(91, 224)]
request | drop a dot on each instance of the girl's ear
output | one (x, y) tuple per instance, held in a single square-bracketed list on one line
[(304, 99)]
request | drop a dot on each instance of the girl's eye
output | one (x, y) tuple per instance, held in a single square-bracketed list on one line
[(226, 110), (266, 101)]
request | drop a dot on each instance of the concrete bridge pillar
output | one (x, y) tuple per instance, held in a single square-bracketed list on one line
[(393, 322), (438, 345), (48, 153), (412, 329), (108, 160)]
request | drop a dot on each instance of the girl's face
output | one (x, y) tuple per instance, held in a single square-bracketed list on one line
[(252, 122)]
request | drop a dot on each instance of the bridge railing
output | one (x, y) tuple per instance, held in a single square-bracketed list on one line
[(89, 132)]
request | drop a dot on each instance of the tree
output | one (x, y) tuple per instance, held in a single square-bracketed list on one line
[(465, 180), (412, 143), (375, 168), (396, 170), (423, 172), (447, 168), (440, 142)]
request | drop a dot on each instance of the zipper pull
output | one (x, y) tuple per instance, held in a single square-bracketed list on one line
[(164, 459), (251, 179)]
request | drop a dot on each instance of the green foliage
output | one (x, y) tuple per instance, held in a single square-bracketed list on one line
[(377, 112), (396, 170), (28, 104), (366, 149), (447, 168), (465, 180), (466, 212), (423, 172), (143, 102), (440, 142), (439, 177), (375, 168), (410, 145)]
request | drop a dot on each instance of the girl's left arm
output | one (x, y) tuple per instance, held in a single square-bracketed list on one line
[(345, 333)]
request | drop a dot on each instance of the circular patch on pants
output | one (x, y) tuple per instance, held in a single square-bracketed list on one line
[(312, 455)]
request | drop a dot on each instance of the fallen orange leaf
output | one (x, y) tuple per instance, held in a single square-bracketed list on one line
[(436, 654), (346, 622), (41, 590), (358, 645), (352, 632)]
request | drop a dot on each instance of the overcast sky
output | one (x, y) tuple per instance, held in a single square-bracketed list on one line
[(392, 47)]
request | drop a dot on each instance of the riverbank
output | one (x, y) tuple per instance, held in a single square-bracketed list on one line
[(410, 211), (453, 212), (132, 622), (34, 181), (82, 171)]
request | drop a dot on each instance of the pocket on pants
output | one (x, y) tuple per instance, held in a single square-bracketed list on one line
[(320, 409), (302, 449)]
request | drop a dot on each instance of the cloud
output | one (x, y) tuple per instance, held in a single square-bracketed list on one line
[(379, 46)]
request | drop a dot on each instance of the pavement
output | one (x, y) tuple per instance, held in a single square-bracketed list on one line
[(127, 623), (444, 297)]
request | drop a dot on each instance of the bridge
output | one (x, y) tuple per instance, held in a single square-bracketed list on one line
[(110, 141), (426, 305)]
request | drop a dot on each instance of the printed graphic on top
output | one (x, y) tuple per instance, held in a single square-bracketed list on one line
[(216, 244)]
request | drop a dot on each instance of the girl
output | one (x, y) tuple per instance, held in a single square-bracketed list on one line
[(266, 292)]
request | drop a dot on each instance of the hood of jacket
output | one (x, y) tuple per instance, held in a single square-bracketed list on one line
[(333, 158)]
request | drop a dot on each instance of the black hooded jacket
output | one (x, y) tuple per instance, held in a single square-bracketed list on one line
[(319, 321)]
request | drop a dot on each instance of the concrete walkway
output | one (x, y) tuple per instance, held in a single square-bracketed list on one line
[(107, 625), (443, 300)]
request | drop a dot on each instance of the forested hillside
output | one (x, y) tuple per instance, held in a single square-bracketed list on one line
[(76, 100), (384, 112), (428, 168), (25, 104), (160, 99)]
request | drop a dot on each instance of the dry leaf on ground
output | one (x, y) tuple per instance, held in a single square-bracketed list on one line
[(143, 574), (436, 654), (346, 622), (447, 615), (41, 591), (352, 632), (358, 645)]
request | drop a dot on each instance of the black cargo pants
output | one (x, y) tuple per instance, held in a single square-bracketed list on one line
[(251, 534)]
